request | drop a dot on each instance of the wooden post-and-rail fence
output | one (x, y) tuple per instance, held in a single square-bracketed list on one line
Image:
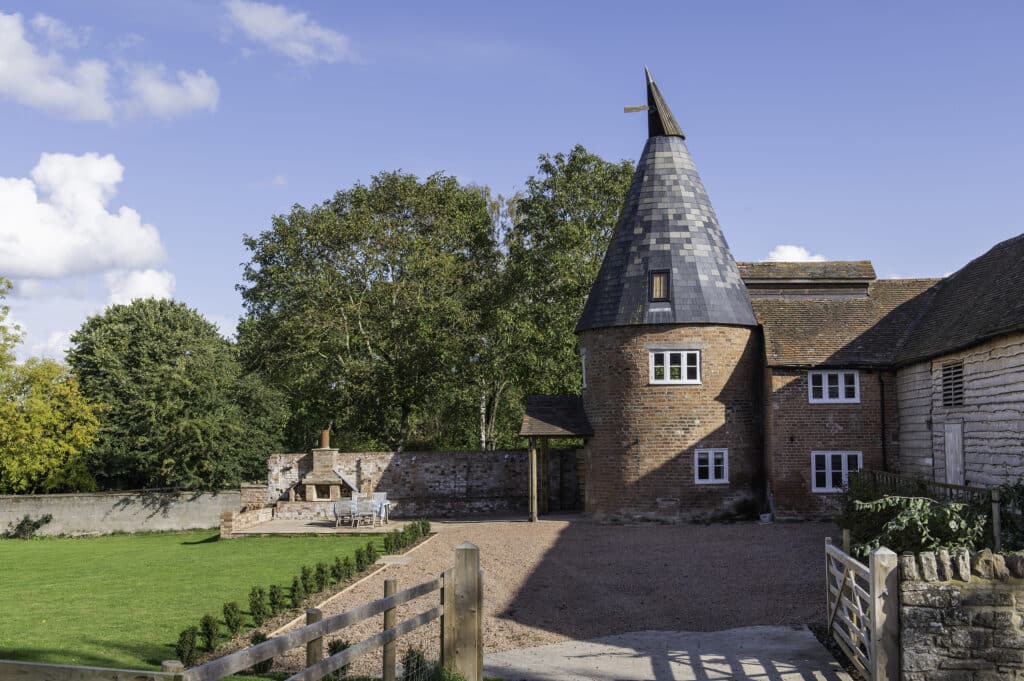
[(460, 609), (862, 607)]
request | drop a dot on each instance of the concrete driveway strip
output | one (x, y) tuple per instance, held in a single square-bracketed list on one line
[(764, 653)]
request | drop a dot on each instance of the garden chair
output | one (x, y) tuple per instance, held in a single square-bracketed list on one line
[(381, 506), (342, 511)]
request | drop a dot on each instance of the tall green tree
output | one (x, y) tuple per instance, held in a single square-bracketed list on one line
[(366, 309), (46, 426), (564, 220), (177, 410)]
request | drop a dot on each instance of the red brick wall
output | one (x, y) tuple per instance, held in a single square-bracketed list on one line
[(640, 459), (794, 428)]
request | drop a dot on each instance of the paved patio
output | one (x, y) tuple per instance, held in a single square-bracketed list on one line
[(287, 526), (767, 653)]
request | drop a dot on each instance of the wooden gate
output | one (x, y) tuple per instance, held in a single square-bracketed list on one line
[(862, 606)]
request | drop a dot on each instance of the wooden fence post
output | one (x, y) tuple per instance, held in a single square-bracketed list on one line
[(468, 655), (828, 589), (997, 522), (448, 620), (846, 541), (884, 612), (390, 587), (315, 648)]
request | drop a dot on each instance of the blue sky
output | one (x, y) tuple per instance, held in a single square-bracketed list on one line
[(882, 131)]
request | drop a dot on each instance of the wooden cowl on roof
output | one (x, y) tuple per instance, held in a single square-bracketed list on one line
[(667, 225)]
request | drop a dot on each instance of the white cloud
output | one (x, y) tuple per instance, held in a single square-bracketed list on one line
[(58, 33), (125, 287), (280, 180), (55, 346), (153, 93), (788, 253), (292, 34), (45, 81), (57, 223)]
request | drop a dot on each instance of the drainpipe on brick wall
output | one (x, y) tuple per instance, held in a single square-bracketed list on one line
[(885, 449)]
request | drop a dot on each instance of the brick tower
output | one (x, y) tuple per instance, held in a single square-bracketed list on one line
[(670, 348)]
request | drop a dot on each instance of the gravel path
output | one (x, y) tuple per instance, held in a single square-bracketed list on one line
[(574, 579)]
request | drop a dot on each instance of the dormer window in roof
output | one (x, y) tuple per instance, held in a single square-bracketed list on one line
[(658, 287)]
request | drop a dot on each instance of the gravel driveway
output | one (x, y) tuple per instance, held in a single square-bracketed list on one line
[(572, 578)]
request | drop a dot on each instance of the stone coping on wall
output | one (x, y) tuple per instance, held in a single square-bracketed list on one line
[(961, 565)]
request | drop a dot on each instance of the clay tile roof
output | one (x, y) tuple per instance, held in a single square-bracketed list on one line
[(843, 332), (555, 416), (835, 269), (979, 301)]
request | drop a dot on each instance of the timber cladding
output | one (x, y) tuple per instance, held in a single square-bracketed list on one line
[(991, 413), (640, 461), (795, 428)]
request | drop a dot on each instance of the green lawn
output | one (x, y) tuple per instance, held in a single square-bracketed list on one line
[(120, 601)]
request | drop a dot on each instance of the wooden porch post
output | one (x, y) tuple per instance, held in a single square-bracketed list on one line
[(544, 470), (533, 480)]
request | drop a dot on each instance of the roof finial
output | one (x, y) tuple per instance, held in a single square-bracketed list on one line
[(660, 120)]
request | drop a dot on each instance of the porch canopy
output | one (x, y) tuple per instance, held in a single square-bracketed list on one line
[(546, 417)]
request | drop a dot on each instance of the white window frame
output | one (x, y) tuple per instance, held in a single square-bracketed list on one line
[(710, 453), (684, 354), (840, 375), (829, 488), (583, 365)]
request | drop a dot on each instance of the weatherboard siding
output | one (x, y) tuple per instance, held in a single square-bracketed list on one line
[(992, 414)]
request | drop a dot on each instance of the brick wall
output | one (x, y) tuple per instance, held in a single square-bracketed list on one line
[(640, 459), (433, 484), (794, 428), (961, 617)]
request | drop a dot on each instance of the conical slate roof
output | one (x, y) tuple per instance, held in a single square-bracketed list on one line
[(667, 225)]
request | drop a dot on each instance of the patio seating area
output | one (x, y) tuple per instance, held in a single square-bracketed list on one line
[(361, 508)]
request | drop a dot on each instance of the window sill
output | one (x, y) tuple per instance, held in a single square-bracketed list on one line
[(711, 482)]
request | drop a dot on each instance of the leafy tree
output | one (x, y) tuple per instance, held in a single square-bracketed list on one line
[(563, 222), (45, 423), (177, 410), (365, 309), (46, 426)]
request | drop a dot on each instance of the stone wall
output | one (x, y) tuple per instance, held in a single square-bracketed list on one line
[(433, 484), (235, 521), (794, 428), (103, 513), (992, 414), (640, 460), (255, 496), (961, 616)]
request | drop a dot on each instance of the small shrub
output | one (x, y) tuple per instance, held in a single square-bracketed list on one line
[(258, 605), (414, 665), (266, 665), (185, 648), (371, 553), (361, 559), (333, 648), (348, 567), (323, 576), (424, 527), (337, 571), (389, 544), (26, 528), (277, 601), (209, 631), (308, 579), (919, 524), (233, 618), (298, 592)]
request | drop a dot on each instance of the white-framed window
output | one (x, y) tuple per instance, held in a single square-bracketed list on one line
[(583, 365), (833, 386), (675, 366), (711, 466), (830, 470)]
